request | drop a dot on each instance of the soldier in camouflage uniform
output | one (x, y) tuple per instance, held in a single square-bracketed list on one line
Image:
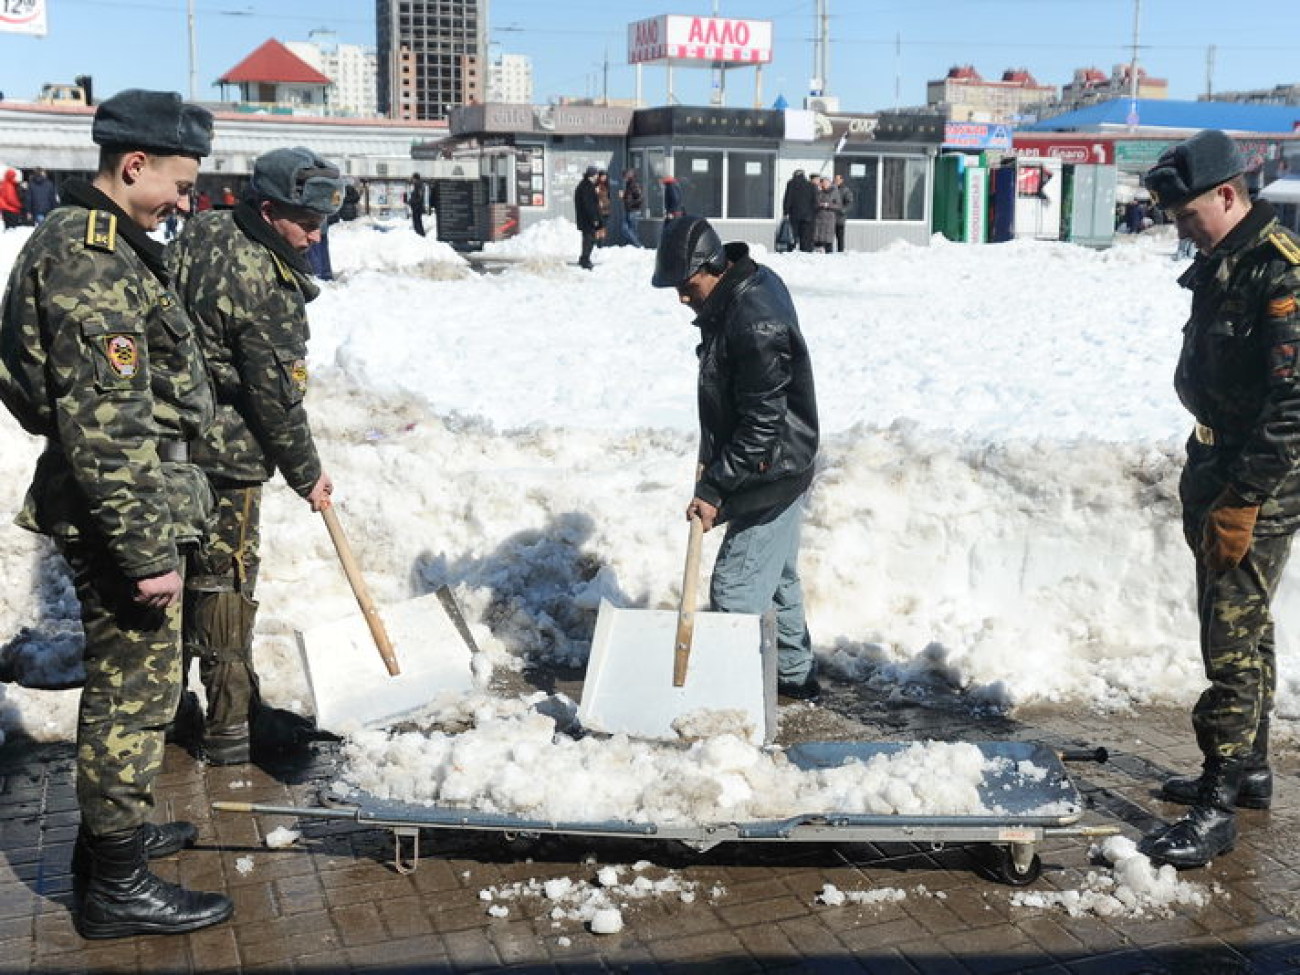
[(243, 277), (98, 357), (1240, 488)]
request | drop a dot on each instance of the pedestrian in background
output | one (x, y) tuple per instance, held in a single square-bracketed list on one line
[(799, 204), (98, 357), (42, 197), (847, 199), (417, 199), (12, 210), (828, 209), (758, 432), (1239, 376), (586, 212), (672, 198), (253, 330), (633, 199), (605, 204)]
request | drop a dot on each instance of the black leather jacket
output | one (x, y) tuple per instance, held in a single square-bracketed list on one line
[(758, 409)]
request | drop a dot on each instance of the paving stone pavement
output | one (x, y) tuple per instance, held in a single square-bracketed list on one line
[(333, 902)]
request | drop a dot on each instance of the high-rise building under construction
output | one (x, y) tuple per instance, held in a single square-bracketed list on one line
[(432, 56)]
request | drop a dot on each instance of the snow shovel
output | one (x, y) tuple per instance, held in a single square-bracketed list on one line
[(649, 669), (353, 688)]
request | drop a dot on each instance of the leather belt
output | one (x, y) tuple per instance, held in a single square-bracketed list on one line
[(175, 451)]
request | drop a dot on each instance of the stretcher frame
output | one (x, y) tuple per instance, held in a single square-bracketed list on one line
[(1027, 814)]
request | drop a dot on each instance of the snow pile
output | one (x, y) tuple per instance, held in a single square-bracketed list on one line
[(995, 517), (387, 246), (517, 765), (1135, 888), (597, 903)]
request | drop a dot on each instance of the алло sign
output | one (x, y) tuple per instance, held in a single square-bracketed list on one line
[(699, 41)]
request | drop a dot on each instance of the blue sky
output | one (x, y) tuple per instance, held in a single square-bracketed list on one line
[(882, 50)]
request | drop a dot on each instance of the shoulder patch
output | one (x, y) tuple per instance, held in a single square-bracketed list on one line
[(101, 230), (282, 269), (1286, 246), (1282, 307)]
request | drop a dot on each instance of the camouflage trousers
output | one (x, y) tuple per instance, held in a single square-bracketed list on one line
[(1234, 608), (133, 683), (220, 610)]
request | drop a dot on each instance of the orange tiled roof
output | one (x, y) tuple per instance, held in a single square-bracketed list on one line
[(273, 63)]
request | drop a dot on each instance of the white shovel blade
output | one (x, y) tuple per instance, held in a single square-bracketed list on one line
[(629, 683), (350, 686)]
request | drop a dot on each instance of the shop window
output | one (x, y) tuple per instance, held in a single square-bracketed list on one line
[(903, 189), (699, 174), (750, 177), (862, 173)]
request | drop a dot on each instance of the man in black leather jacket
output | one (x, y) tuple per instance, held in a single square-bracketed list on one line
[(758, 432)]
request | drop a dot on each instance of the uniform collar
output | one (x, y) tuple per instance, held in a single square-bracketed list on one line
[(255, 227), (1204, 266), (80, 193)]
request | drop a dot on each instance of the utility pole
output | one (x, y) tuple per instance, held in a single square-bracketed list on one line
[(822, 51), (194, 84), (718, 76), (1133, 68)]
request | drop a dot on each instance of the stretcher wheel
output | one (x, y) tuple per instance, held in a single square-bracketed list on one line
[(1016, 865)]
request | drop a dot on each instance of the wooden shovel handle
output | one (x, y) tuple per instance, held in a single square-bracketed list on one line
[(686, 611), (360, 590)]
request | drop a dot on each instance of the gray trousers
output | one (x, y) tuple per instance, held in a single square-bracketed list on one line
[(758, 569)]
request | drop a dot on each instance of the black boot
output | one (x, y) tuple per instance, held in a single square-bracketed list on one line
[(1210, 826), (1256, 780), (122, 898), (159, 841), (230, 746), (186, 727)]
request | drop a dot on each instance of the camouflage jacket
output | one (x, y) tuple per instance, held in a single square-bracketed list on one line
[(97, 355), (247, 292), (1238, 373)]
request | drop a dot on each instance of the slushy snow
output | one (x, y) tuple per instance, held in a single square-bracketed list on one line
[(1135, 887)]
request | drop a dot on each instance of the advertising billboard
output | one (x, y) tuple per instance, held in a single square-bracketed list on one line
[(1099, 152), (23, 16), (684, 40)]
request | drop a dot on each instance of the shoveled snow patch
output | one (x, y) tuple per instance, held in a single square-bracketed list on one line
[(1135, 887), (584, 900), (517, 764)]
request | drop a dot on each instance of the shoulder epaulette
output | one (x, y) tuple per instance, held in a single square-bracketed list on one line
[(1288, 247), (101, 230), (282, 269)]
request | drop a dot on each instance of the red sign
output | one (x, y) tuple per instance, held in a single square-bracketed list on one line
[(1097, 152), (699, 40)]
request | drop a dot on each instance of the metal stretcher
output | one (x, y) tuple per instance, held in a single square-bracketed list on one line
[(1029, 810)]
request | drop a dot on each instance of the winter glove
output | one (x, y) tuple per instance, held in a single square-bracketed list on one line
[(1229, 527)]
